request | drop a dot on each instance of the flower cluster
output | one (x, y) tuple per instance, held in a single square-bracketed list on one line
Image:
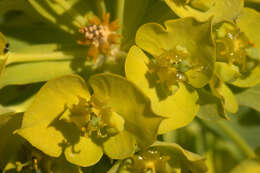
[(101, 36)]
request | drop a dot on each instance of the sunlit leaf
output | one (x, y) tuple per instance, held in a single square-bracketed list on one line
[(48, 105), (53, 97), (50, 144), (120, 146), (84, 153), (45, 61), (224, 9)]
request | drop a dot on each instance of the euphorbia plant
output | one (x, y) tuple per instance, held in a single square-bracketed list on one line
[(85, 125), (177, 67), (180, 68)]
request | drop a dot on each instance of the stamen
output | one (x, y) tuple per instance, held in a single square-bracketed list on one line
[(100, 36), (90, 116), (232, 46), (151, 161), (171, 66)]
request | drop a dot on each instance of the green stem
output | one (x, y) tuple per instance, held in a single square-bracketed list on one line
[(237, 139), (101, 7), (36, 57), (120, 13), (48, 16), (79, 20), (30, 57)]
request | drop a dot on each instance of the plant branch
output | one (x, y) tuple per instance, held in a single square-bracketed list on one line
[(120, 13), (236, 138), (101, 7)]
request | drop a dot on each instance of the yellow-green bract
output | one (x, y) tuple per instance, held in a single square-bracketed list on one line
[(117, 119), (184, 56)]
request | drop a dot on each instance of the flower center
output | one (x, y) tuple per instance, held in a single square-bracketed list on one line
[(150, 161), (234, 47), (101, 36), (94, 119), (95, 34), (171, 66)]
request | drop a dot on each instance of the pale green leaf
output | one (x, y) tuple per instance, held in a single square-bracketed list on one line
[(250, 97), (45, 61), (224, 9), (211, 107)]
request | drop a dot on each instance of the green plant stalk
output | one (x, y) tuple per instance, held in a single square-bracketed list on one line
[(79, 20), (120, 13), (237, 139), (48, 16), (101, 7), (57, 9), (36, 57)]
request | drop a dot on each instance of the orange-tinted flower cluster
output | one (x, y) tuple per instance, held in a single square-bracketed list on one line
[(99, 35)]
